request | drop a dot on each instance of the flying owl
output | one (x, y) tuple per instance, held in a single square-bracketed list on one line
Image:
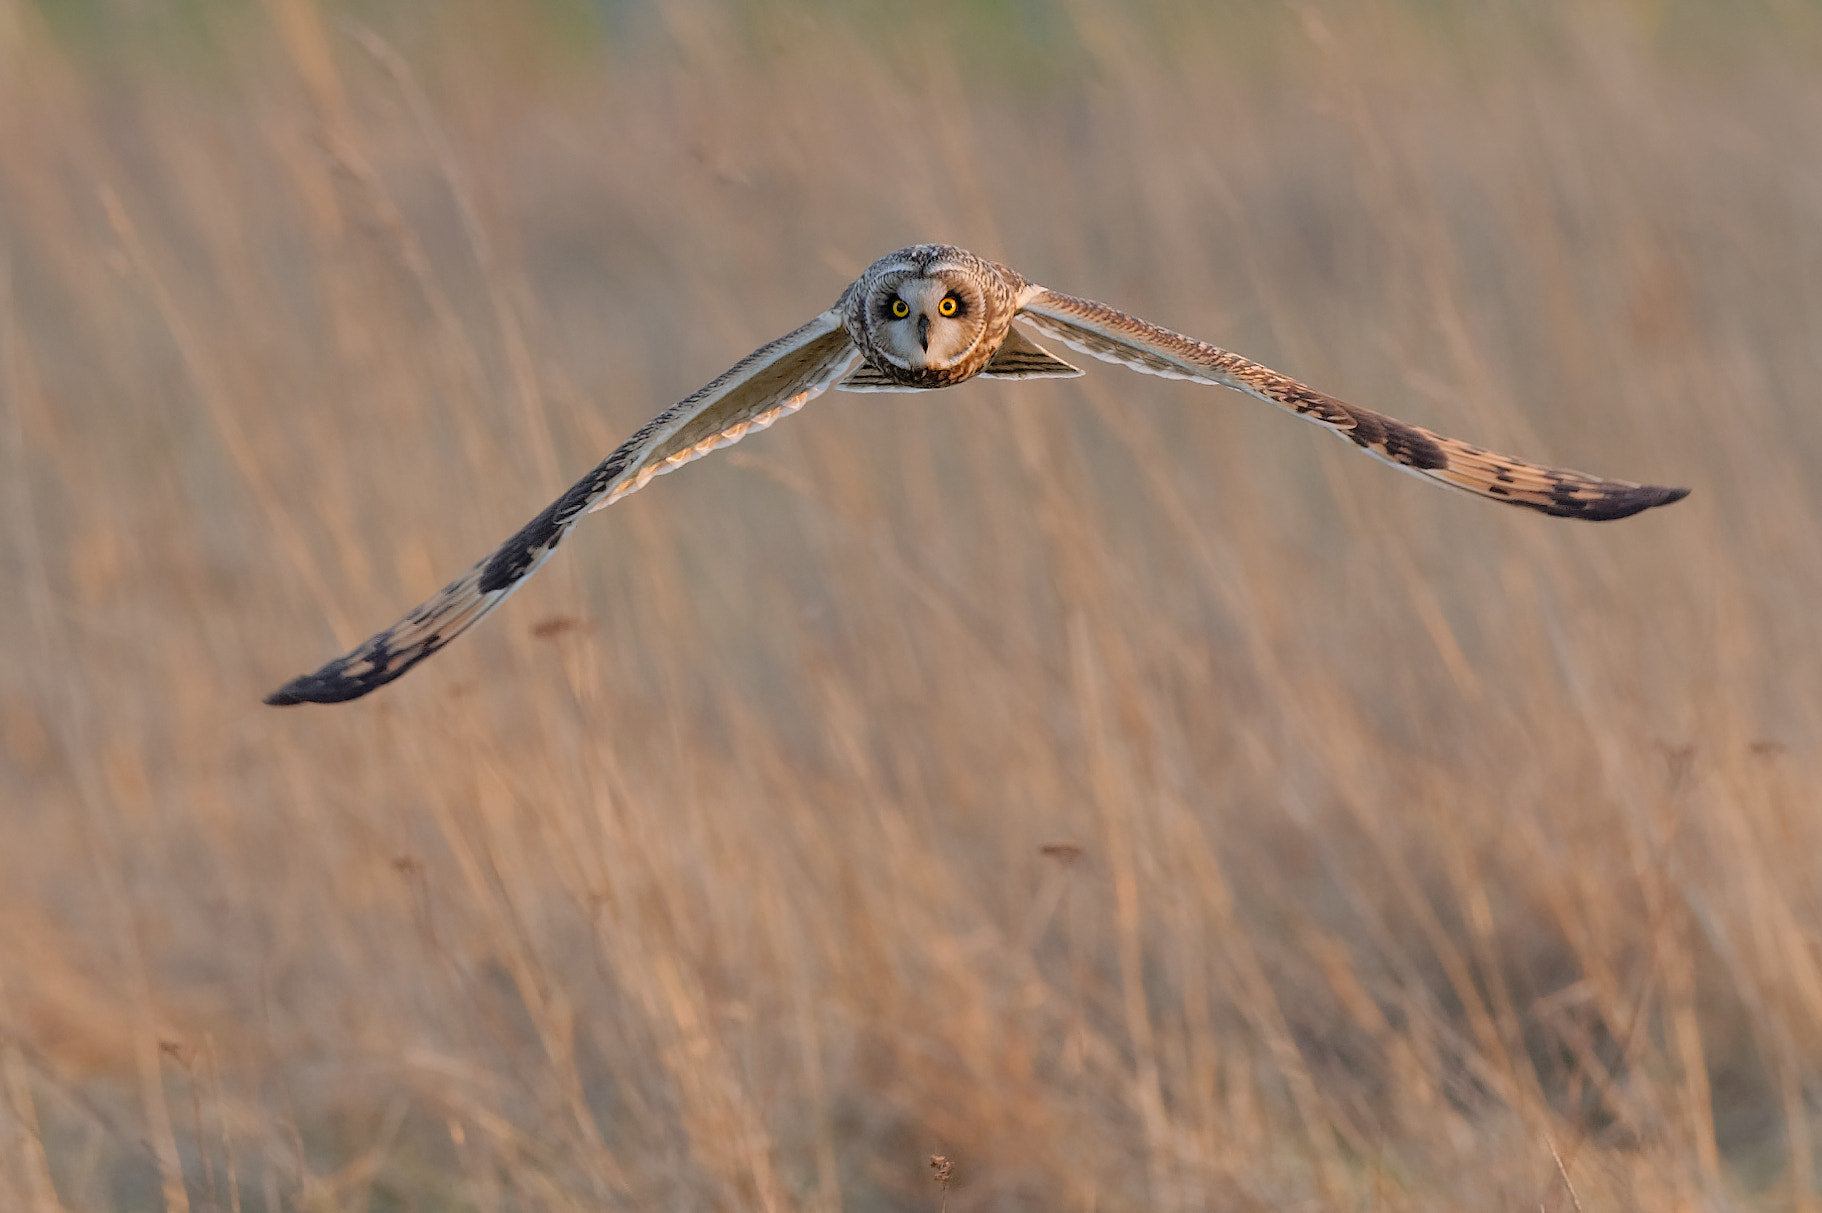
[(927, 317)]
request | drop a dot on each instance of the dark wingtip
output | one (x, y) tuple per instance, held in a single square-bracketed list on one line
[(334, 684), (368, 668), (1623, 504), (1647, 497), (327, 685)]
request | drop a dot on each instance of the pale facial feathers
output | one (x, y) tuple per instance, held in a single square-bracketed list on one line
[(929, 321)]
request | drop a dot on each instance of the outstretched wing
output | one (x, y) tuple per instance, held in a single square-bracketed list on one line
[(1113, 336), (767, 384)]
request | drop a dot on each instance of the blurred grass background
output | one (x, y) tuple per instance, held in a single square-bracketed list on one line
[(1113, 785)]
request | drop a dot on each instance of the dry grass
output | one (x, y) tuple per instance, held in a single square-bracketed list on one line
[(1403, 851)]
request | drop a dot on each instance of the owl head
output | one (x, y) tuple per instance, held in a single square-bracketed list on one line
[(930, 312)]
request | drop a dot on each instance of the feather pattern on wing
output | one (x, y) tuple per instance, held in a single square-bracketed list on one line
[(775, 380), (1113, 336)]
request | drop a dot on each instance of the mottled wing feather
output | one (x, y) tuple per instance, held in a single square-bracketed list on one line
[(773, 381), (868, 378), (1113, 336), (1019, 357)]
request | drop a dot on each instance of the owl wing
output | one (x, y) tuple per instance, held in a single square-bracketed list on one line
[(1094, 328), (772, 381)]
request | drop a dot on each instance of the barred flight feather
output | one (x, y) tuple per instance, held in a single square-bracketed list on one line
[(1113, 336), (775, 380)]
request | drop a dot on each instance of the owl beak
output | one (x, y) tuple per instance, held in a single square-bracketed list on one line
[(923, 330)]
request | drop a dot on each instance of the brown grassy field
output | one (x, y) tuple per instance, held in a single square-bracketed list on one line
[(1115, 786)]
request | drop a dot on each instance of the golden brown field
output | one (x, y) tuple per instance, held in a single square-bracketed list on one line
[(1117, 787)]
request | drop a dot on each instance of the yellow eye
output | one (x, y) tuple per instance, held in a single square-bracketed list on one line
[(900, 308), (947, 306)]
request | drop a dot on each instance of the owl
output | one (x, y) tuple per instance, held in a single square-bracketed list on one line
[(926, 317)]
